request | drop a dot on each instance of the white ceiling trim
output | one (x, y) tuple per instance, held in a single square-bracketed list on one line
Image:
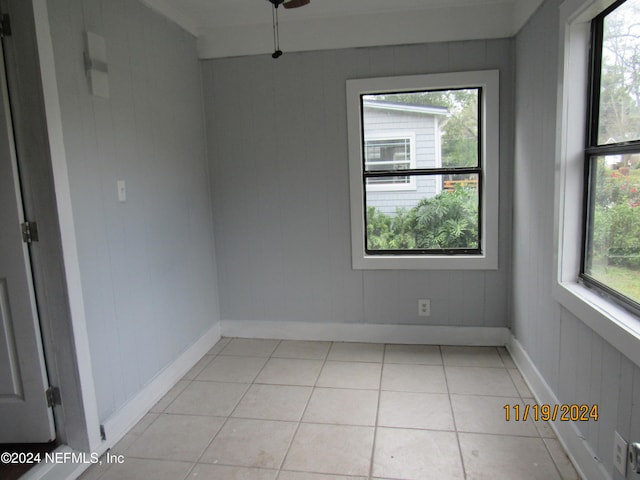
[(396, 28), (221, 29)]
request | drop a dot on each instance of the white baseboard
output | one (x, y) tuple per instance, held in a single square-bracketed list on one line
[(579, 451), (129, 414), (366, 332), (126, 417)]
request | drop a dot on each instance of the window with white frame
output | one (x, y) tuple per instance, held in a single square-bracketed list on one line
[(611, 234), (423, 156), (617, 325)]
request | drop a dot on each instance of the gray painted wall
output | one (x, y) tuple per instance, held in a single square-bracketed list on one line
[(277, 138), (147, 265), (576, 363)]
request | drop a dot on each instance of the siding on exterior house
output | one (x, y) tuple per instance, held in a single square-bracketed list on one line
[(425, 130)]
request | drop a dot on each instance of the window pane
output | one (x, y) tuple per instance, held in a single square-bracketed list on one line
[(442, 213), (613, 244), (619, 119), (388, 154), (444, 122)]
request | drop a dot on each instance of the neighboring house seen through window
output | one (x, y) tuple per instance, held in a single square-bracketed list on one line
[(424, 170)]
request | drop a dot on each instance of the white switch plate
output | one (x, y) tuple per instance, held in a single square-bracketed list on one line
[(122, 191), (620, 453)]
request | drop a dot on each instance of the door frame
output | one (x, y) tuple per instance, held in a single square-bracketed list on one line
[(47, 200)]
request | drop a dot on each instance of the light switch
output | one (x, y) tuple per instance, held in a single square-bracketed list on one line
[(122, 191)]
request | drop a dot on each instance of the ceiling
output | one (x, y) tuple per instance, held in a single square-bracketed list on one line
[(243, 27)]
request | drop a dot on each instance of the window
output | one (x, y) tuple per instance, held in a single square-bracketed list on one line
[(423, 156), (611, 243), (617, 325)]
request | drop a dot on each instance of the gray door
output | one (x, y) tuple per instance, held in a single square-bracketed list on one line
[(24, 414)]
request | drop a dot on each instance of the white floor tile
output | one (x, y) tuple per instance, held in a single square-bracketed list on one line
[(204, 471), (290, 371), (250, 443), (273, 402), (414, 454), (217, 399), (176, 437), (567, 471), (256, 409), (480, 381), (472, 356), (481, 414), (498, 457), (284, 475), (141, 469), (342, 406), (430, 411), (335, 449), (350, 375), (414, 378)]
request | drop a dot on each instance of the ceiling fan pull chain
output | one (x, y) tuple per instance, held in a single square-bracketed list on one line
[(276, 33)]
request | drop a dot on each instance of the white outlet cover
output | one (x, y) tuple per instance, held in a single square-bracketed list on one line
[(424, 308), (620, 453)]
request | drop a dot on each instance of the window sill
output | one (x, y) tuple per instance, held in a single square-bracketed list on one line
[(616, 325), (424, 262)]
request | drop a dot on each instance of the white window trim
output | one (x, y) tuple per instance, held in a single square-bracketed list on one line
[(488, 260), (412, 160), (613, 323)]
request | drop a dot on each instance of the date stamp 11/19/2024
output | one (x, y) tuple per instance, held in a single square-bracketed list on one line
[(550, 413)]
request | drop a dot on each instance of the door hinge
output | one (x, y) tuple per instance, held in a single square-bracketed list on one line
[(29, 232), (53, 396), (5, 25)]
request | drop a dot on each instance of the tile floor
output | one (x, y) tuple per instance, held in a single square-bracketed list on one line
[(293, 410)]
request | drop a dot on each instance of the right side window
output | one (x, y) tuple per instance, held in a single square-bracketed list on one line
[(611, 238)]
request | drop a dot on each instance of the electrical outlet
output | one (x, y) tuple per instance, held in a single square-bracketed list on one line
[(620, 453), (424, 308)]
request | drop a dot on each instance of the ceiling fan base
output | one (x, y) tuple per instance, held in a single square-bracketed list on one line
[(296, 3), (290, 3)]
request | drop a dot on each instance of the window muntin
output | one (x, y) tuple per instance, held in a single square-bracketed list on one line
[(441, 214), (611, 240)]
